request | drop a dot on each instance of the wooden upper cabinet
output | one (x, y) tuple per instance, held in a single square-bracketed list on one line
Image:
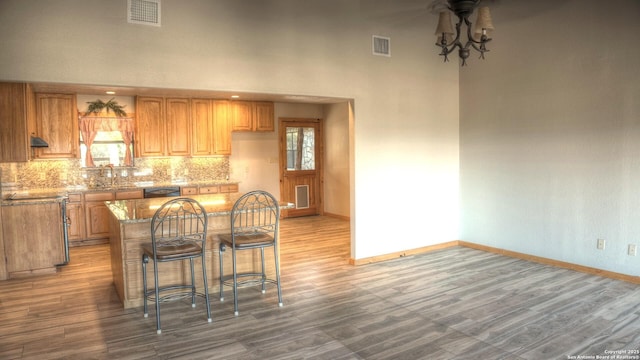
[(242, 115), (263, 116), (150, 127), (201, 127), (57, 123), (178, 126), (221, 127), (252, 116), (16, 107)]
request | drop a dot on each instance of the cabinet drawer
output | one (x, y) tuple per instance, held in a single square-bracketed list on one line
[(209, 190), (129, 194), (98, 196), (75, 198), (230, 188), (188, 191)]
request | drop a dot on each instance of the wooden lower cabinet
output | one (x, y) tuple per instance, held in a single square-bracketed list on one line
[(97, 214), (75, 219), (33, 239)]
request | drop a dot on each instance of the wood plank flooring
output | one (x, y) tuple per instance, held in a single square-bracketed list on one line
[(456, 303)]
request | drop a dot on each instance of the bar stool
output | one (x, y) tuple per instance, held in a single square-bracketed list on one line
[(255, 218), (178, 233)]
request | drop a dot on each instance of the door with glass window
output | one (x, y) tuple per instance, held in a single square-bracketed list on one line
[(301, 153)]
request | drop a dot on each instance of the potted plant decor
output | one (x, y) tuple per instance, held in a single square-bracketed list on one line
[(96, 107)]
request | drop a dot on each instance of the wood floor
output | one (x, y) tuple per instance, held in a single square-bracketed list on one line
[(456, 303)]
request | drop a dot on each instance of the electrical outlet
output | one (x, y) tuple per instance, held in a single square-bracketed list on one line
[(600, 244), (632, 249)]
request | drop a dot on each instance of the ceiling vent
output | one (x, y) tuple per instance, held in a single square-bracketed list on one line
[(145, 12), (381, 45)]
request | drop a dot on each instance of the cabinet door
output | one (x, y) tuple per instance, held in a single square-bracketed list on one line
[(3, 263), (14, 137), (263, 116), (97, 216), (201, 127), (57, 124), (32, 237), (241, 116), (221, 127), (150, 127), (178, 127), (75, 223)]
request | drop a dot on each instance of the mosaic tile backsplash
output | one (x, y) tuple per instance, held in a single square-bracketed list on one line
[(53, 174)]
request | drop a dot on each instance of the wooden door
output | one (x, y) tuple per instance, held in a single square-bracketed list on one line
[(221, 127), (263, 116), (75, 226), (14, 137), (301, 153), (33, 237), (201, 127), (178, 127), (242, 116), (97, 215), (57, 124), (150, 127)]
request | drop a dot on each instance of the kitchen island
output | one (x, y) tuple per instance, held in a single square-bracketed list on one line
[(130, 227)]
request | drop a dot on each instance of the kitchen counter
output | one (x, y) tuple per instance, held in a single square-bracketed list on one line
[(130, 228), (62, 191), (142, 210), (26, 199)]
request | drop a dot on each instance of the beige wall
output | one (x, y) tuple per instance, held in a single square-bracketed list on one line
[(404, 165), (336, 165), (550, 133)]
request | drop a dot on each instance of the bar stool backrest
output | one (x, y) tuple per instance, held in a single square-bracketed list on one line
[(256, 212)]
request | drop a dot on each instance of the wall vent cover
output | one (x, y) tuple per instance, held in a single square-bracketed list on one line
[(302, 196), (381, 45), (145, 12)]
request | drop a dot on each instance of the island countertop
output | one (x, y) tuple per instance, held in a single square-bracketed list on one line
[(142, 210)]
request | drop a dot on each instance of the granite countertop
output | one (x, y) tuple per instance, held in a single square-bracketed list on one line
[(64, 191), (33, 197), (142, 210)]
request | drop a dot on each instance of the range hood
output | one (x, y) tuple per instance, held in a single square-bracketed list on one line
[(37, 142)]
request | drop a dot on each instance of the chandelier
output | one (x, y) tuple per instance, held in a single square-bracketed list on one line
[(476, 38)]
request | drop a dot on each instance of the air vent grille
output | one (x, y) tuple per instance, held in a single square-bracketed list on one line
[(145, 12), (302, 196), (381, 45)]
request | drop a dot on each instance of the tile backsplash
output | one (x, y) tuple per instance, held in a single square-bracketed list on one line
[(51, 174)]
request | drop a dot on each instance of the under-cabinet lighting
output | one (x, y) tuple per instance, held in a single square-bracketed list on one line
[(110, 92), (235, 96)]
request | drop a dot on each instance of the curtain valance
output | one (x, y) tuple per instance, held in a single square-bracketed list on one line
[(90, 125)]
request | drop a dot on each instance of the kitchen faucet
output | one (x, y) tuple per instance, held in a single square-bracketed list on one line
[(111, 173)]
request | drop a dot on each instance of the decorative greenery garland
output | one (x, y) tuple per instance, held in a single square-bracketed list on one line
[(96, 107)]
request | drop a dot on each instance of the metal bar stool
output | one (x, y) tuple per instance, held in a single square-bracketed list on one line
[(178, 233), (255, 218)]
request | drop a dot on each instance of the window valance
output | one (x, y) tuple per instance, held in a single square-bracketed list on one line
[(91, 125)]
